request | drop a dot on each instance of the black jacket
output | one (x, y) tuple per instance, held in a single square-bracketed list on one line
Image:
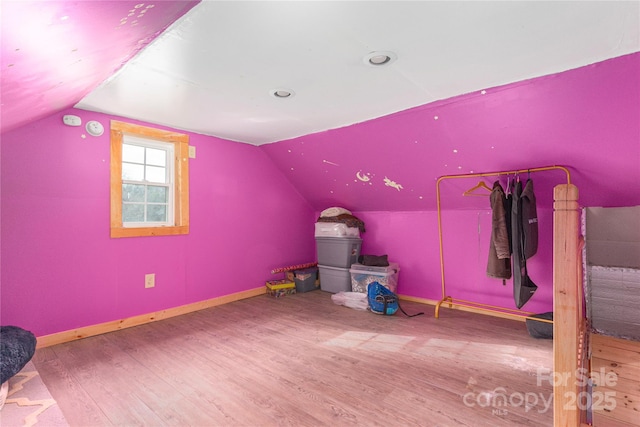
[(524, 240)]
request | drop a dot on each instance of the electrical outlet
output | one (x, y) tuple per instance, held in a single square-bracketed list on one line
[(192, 152), (149, 280)]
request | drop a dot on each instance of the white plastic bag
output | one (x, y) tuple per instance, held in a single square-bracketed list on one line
[(356, 300)]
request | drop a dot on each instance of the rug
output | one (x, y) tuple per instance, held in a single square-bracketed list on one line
[(29, 402)]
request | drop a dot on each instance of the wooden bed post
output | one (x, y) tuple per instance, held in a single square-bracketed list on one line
[(566, 306)]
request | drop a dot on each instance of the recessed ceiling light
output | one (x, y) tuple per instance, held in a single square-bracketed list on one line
[(282, 93), (379, 58)]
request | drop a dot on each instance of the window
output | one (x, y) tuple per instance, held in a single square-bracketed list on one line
[(149, 181), (147, 177)]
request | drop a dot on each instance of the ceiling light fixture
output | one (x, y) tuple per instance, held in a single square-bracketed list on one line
[(282, 93), (379, 58)]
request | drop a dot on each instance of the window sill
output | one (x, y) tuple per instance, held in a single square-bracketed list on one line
[(148, 231)]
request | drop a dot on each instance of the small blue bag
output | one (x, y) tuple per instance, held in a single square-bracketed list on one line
[(381, 300)]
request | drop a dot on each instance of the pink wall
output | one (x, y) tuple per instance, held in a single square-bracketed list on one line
[(411, 240), (587, 119), (60, 268)]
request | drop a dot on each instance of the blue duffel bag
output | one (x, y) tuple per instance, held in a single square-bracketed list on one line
[(381, 299)]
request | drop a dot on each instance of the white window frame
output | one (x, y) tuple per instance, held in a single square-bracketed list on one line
[(168, 148)]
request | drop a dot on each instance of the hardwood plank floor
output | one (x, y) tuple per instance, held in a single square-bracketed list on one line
[(301, 360)]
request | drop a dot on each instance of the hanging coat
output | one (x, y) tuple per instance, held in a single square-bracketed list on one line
[(508, 206), (529, 220), (499, 263), (508, 203), (523, 286)]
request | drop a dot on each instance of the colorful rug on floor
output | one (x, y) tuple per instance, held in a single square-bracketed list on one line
[(29, 402)]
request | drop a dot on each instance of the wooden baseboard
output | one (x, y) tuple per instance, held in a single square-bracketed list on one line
[(418, 299), (115, 325), (455, 306)]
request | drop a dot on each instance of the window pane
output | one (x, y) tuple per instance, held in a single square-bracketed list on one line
[(156, 194), (132, 212), (156, 174), (132, 153), (157, 213), (132, 193), (156, 157), (131, 172)]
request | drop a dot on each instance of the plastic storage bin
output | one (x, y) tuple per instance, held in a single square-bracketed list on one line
[(334, 279), (305, 280), (362, 275), (338, 251), (335, 229)]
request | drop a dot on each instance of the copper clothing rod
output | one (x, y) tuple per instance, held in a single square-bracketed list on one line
[(448, 299), (513, 172)]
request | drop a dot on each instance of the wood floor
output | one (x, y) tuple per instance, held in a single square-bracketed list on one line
[(301, 360)]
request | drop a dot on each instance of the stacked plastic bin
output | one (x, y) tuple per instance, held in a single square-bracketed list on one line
[(363, 275), (336, 255)]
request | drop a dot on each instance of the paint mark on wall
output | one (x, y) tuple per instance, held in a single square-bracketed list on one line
[(136, 11), (392, 184), (363, 177), (331, 163)]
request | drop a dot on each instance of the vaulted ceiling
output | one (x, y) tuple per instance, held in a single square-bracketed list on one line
[(211, 67)]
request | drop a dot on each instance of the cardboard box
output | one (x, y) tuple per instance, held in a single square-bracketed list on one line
[(279, 288)]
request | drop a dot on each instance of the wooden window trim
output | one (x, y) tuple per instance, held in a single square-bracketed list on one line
[(181, 153)]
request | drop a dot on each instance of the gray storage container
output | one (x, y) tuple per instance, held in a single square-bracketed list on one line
[(306, 279), (338, 251), (334, 279)]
